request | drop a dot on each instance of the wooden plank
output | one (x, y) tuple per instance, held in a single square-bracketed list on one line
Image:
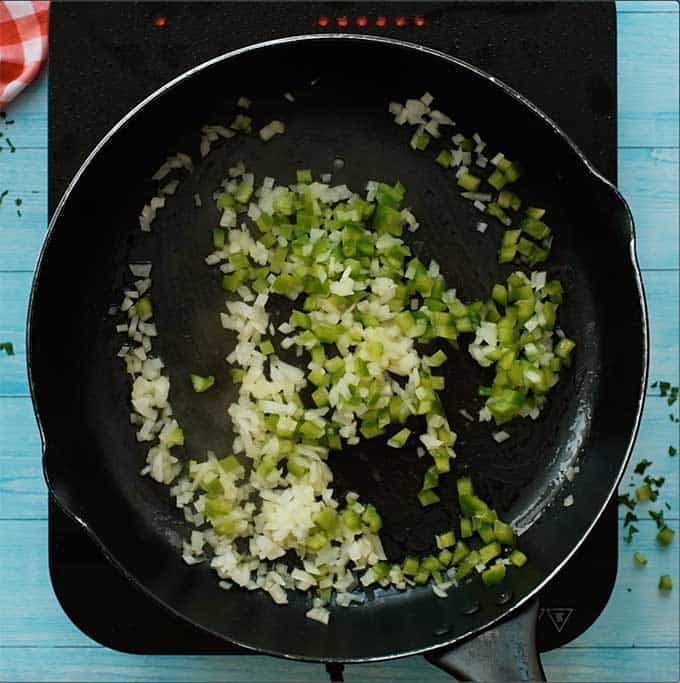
[(646, 6), (23, 175), (657, 433), (21, 249), (643, 617), (78, 664), (14, 289), (29, 113), (648, 79), (649, 120), (648, 115), (33, 98), (661, 288), (86, 664), (23, 495), (31, 614), (20, 436), (648, 179), (39, 621), (612, 664), (22, 488), (662, 300)]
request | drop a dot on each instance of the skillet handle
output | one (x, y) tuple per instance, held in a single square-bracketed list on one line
[(504, 653)]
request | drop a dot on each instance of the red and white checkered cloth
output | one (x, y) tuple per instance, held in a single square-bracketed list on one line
[(23, 45)]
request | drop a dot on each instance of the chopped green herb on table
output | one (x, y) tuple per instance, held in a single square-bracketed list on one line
[(665, 583), (648, 491), (639, 558), (632, 530), (642, 466)]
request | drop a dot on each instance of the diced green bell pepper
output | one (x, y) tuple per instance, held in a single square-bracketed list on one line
[(518, 558), (445, 540), (469, 182), (201, 384), (494, 575)]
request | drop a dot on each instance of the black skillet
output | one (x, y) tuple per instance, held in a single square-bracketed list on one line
[(80, 392)]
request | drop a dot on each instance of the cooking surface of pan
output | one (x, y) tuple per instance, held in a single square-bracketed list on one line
[(91, 457)]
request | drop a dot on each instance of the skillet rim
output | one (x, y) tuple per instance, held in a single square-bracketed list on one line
[(508, 90)]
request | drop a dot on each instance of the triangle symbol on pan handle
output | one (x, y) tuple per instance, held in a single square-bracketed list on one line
[(559, 616)]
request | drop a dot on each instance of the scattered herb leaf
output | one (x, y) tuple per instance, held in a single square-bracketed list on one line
[(627, 501), (7, 347), (672, 450), (632, 530), (654, 485), (669, 392), (630, 517), (651, 482), (658, 518), (642, 466)]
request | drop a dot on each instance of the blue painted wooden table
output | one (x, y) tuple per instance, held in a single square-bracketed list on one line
[(635, 638)]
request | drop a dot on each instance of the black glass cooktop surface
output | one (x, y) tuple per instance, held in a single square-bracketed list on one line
[(106, 57)]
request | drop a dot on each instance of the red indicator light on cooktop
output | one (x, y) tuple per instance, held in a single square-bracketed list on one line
[(159, 21), (363, 21)]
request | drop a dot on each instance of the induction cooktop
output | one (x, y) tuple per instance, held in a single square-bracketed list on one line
[(107, 56)]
